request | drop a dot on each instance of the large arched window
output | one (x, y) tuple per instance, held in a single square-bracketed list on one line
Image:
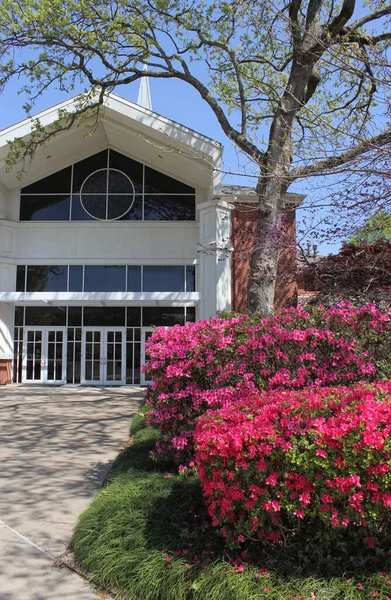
[(107, 186)]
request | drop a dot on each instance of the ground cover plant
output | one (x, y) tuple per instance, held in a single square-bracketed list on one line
[(209, 364), (148, 536)]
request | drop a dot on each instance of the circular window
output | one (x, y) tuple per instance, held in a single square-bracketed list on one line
[(107, 194)]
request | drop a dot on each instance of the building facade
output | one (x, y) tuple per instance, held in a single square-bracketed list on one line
[(105, 237)]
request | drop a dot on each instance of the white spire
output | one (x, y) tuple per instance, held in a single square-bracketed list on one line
[(144, 93)]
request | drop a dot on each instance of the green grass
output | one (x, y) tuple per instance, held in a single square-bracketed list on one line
[(147, 536)]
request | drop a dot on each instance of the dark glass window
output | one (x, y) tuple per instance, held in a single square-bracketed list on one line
[(95, 205), (158, 183), (43, 278), (20, 278), (156, 316), (133, 169), (164, 279), (134, 214), (75, 278), (112, 187), (134, 279), (134, 316), (104, 316), (58, 183), (85, 167), (118, 206), (19, 316), (190, 278), (169, 208), (190, 314), (46, 315), (74, 316), (78, 212), (44, 208), (105, 278)]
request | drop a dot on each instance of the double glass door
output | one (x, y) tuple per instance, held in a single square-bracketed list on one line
[(103, 356), (44, 355)]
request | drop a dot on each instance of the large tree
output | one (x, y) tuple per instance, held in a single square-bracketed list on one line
[(300, 86)]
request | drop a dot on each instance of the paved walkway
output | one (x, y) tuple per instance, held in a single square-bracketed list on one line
[(56, 446)]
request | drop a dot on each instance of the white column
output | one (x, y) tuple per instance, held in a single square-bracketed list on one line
[(6, 330), (3, 200), (215, 257)]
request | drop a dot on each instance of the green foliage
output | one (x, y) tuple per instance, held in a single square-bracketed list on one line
[(376, 229), (245, 50)]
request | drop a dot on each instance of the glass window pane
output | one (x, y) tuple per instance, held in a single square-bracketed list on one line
[(130, 167), (75, 278), (78, 212), (20, 278), (190, 314), (158, 183), (161, 316), (137, 363), (190, 278), (95, 183), (169, 208), (44, 208), (58, 183), (119, 183), (105, 278), (134, 279), (85, 167), (19, 316), (164, 279), (47, 278), (118, 206), (134, 316), (74, 316), (104, 316), (46, 315), (94, 206), (136, 212)]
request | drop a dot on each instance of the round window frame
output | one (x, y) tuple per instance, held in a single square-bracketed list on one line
[(107, 194)]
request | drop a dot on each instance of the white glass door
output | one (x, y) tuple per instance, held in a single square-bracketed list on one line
[(103, 356), (44, 359), (92, 357), (114, 362), (146, 333)]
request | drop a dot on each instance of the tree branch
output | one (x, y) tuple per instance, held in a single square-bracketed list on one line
[(336, 161)]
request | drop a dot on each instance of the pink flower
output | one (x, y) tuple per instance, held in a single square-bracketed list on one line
[(370, 542)]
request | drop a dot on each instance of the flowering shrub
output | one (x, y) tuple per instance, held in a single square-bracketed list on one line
[(207, 364), (271, 465)]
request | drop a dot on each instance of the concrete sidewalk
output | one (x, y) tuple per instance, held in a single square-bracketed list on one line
[(56, 447)]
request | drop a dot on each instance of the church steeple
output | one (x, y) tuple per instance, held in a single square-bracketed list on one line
[(144, 93)]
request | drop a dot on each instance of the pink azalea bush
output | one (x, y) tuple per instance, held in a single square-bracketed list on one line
[(209, 364), (272, 464)]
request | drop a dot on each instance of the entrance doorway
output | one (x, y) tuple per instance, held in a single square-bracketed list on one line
[(44, 355), (103, 356), (146, 333)]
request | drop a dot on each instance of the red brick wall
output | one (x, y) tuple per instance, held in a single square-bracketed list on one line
[(5, 372), (244, 227)]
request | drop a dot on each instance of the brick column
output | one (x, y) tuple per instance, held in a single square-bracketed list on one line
[(5, 371), (244, 232)]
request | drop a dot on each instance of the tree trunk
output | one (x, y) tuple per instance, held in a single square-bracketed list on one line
[(264, 258)]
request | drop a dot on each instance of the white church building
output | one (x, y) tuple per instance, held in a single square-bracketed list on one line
[(105, 237)]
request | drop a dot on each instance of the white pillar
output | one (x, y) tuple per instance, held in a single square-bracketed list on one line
[(6, 330), (215, 257)]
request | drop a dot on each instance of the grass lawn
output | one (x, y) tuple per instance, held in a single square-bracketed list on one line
[(147, 536)]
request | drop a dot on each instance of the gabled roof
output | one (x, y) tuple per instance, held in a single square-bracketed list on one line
[(124, 125)]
